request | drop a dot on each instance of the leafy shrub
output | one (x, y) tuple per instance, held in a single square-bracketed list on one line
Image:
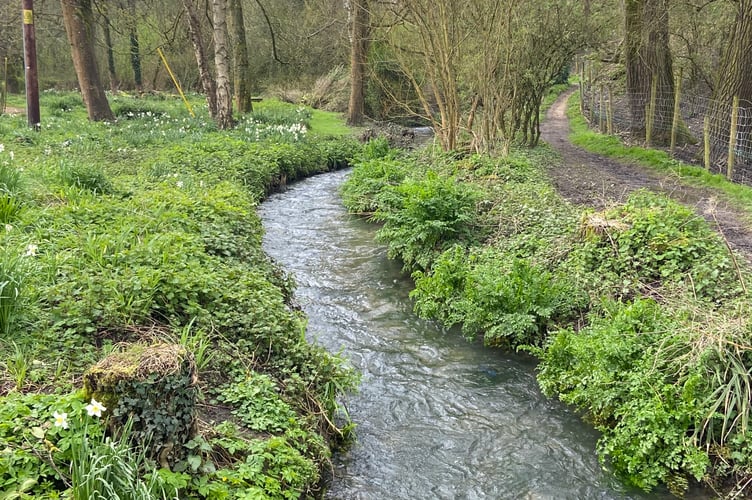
[(368, 179), (257, 403), (339, 152), (618, 370), (652, 241), (508, 301), (422, 218), (376, 149)]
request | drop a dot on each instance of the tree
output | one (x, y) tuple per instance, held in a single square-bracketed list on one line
[(734, 79), (78, 19), (222, 64), (648, 62), (242, 81), (735, 72), (207, 82), (135, 51), (107, 32), (427, 40), (360, 27)]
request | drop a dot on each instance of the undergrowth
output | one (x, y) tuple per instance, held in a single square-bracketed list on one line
[(638, 313), (145, 230)]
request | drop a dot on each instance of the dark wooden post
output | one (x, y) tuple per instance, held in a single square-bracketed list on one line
[(30, 65)]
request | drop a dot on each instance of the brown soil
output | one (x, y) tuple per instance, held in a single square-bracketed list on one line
[(592, 180)]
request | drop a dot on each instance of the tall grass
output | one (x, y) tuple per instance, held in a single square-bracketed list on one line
[(11, 278), (111, 469), (10, 190)]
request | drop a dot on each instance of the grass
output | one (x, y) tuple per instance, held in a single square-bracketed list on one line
[(611, 146), (328, 123)]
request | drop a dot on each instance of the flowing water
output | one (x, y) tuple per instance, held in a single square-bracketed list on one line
[(437, 417)]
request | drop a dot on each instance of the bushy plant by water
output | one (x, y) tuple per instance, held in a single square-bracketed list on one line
[(508, 302), (423, 217)]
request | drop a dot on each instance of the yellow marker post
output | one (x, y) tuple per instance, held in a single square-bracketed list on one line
[(175, 81)]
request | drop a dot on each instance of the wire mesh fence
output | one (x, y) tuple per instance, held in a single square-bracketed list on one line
[(697, 129)]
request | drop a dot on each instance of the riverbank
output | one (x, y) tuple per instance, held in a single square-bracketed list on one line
[(134, 248), (637, 312)]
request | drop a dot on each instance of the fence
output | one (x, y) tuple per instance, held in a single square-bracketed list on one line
[(705, 132)]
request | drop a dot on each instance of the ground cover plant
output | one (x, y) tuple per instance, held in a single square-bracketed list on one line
[(131, 258), (637, 312)]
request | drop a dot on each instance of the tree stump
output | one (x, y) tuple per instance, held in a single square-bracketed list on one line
[(155, 387)]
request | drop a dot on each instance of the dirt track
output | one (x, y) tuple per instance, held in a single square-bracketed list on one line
[(589, 179)]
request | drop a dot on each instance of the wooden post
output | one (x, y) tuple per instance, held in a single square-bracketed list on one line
[(601, 121), (582, 89), (732, 137), (677, 111), (650, 112), (5, 88), (30, 65), (610, 112), (592, 94), (706, 137)]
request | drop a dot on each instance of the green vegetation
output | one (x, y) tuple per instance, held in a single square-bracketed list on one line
[(126, 241), (638, 313)]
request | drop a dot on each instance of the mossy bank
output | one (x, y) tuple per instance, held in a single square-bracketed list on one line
[(136, 245)]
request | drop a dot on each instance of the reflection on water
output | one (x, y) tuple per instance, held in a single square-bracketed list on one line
[(437, 417)]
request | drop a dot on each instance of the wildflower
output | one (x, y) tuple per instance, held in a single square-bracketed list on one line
[(95, 408), (61, 420), (179, 184), (31, 250), (2, 148), (8, 228)]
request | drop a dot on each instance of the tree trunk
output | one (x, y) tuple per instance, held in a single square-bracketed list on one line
[(359, 41), (110, 53), (222, 64), (207, 82), (78, 19), (134, 46), (647, 56), (734, 79), (242, 65)]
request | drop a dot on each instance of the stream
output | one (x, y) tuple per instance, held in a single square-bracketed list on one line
[(437, 417)]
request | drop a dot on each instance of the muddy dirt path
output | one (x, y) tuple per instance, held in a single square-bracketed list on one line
[(592, 180)]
